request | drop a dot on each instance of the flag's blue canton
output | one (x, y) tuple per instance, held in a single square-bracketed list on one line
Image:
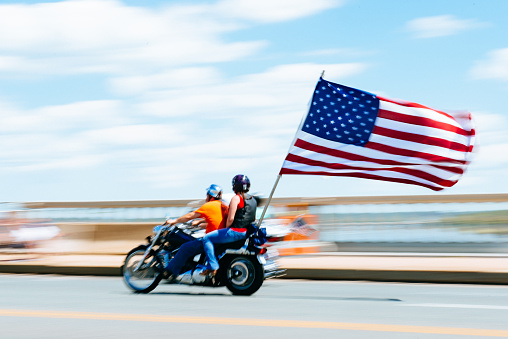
[(342, 114)]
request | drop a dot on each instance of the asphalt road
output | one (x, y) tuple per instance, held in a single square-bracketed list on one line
[(47, 306)]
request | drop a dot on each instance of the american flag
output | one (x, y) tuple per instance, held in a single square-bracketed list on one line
[(350, 132)]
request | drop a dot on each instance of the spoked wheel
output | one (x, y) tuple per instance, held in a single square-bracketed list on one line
[(244, 275), (144, 278)]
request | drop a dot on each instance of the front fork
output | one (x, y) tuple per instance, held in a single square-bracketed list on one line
[(148, 250)]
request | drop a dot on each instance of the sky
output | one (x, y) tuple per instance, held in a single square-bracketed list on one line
[(148, 100)]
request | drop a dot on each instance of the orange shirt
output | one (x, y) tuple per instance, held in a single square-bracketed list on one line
[(215, 214)]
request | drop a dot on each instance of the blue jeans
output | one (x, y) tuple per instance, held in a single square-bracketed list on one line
[(221, 236), (186, 251)]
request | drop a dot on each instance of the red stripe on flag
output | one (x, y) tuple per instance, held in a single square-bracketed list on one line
[(361, 175), (410, 153), (453, 169), (421, 121), (413, 105), (421, 139)]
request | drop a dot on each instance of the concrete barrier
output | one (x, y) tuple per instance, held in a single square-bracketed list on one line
[(334, 266), (107, 238)]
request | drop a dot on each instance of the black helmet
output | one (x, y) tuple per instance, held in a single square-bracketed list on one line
[(241, 183)]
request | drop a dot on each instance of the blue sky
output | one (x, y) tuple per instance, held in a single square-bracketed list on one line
[(141, 100)]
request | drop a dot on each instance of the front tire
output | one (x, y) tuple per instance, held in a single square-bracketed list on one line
[(147, 277), (243, 275)]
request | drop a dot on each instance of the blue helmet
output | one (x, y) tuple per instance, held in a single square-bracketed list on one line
[(214, 191), (241, 183)]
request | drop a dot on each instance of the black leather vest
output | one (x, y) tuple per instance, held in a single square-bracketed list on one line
[(246, 215)]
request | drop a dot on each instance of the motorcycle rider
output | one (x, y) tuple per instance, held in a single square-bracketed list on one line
[(214, 212), (242, 213)]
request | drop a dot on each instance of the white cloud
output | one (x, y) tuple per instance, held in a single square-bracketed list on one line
[(173, 79), (177, 166), (84, 25), (490, 123), (90, 148), (491, 142), (49, 119), (38, 151), (488, 156), (178, 111), (78, 161), (342, 52), (284, 87), (438, 26), (494, 67), (83, 36), (139, 136), (78, 134), (109, 37), (256, 112), (273, 11)]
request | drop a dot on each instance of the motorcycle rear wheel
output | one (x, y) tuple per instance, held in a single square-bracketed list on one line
[(146, 278), (243, 275)]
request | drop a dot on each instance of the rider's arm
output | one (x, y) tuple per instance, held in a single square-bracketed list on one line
[(184, 218), (201, 223), (233, 205)]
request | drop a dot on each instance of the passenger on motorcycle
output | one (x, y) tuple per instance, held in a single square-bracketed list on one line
[(214, 212), (242, 213)]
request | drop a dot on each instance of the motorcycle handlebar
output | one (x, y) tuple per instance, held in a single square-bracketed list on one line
[(182, 226)]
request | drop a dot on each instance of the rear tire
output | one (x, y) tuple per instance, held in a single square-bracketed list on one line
[(147, 277), (243, 275)]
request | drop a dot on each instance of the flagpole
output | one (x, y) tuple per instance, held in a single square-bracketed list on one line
[(269, 200), (280, 175)]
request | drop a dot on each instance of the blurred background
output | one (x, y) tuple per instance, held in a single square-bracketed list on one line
[(118, 108), (403, 224)]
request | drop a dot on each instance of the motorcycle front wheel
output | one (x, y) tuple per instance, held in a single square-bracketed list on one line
[(144, 278), (243, 275)]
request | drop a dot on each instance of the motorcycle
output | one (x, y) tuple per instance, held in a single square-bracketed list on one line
[(244, 264)]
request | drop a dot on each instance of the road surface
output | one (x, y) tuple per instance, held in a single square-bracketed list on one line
[(50, 306)]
